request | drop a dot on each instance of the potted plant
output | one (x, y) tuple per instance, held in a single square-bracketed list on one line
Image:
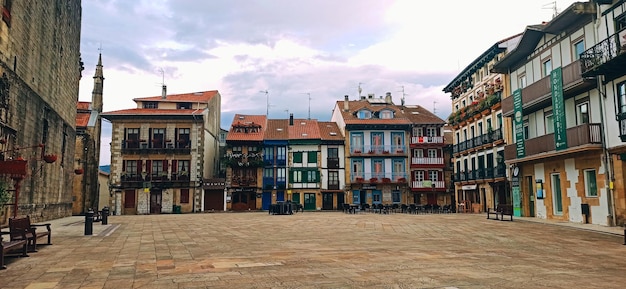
[(373, 180), (50, 158)]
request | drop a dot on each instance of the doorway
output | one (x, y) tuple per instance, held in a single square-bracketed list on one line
[(309, 201), (557, 199), (327, 201), (531, 196), (155, 201)]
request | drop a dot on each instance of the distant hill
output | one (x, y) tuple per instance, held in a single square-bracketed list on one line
[(106, 169)]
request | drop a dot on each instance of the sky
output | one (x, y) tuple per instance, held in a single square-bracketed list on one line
[(305, 54)]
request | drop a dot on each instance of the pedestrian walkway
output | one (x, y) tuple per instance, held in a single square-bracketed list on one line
[(321, 250)]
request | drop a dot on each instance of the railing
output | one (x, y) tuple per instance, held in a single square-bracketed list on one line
[(173, 180), (333, 185), (332, 163), (367, 177), (538, 93), (427, 161), (378, 150), (428, 184), (485, 139), (595, 57), (576, 136), (427, 140), (132, 147)]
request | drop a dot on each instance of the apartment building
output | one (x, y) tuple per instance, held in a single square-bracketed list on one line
[(376, 136), (478, 144), (244, 162), (557, 160), (427, 159), (332, 166), (304, 164), (605, 59), (163, 150), (275, 144)]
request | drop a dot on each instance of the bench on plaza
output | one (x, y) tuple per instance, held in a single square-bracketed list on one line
[(6, 248), (502, 210), (19, 225)]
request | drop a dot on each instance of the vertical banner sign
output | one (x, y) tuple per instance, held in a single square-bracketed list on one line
[(516, 190), (518, 124), (558, 109)]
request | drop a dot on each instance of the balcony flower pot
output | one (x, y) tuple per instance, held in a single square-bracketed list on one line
[(79, 171), (386, 180), (50, 158), (373, 180), (402, 180), (359, 180)]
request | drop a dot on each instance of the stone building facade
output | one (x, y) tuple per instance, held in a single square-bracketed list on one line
[(40, 69)]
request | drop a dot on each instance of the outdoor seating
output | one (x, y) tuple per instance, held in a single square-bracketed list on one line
[(17, 226)]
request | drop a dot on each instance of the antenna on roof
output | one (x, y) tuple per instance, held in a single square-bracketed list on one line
[(403, 95), (551, 5), (309, 94), (163, 86), (360, 89), (267, 96), (434, 107)]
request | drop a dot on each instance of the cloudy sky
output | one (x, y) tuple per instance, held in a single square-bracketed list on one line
[(305, 53)]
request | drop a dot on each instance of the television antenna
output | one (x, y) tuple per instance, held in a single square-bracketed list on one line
[(403, 95), (309, 94), (360, 89), (267, 96), (552, 6), (434, 107)]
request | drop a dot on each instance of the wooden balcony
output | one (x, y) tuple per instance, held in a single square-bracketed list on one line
[(579, 138), (377, 151), (427, 185), (538, 95), (421, 140), (427, 162)]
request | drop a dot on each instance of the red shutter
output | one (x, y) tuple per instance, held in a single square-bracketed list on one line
[(165, 166), (174, 167), (148, 167), (139, 167)]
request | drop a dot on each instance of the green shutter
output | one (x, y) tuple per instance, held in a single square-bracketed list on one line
[(317, 176), (291, 176), (297, 157), (312, 157)]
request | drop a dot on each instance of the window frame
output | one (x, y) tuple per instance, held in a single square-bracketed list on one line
[(588, 185)]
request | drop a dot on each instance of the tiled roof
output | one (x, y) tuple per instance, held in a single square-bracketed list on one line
[(82, 119), (356, 105), (419, 115), (153, 111), (241, 119), (277, 129), (329, 131), (304, 129), (83, 105), (202, 96)]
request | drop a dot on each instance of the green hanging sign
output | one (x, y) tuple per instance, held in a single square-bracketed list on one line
[(518, 124), (558, 109)]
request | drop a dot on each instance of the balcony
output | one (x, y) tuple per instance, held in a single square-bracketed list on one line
[(579, 138), (607, 58), (419, 140), (333, 185), (427, 185), (176, 180), (377, 151), (427, 162), (332, 163), (135, 147), (539, 94), (379, 177), (493, 137)]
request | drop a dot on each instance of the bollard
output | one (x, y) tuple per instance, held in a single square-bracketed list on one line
[(105, 216), (89, 223)]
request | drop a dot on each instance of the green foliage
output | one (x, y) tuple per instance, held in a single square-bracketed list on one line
[(5, 195)]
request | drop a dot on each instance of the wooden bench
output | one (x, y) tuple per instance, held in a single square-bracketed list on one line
[(502, 210), (17, 227), (10, 246)]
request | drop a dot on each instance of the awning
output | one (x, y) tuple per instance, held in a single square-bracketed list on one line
[(468, 187)]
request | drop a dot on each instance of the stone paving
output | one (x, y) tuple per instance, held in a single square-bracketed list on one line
[(320, 250)]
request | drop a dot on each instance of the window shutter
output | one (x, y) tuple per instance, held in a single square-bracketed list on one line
[(139, 167), (297, 157), (123, 166), (317, 176), (291, 176), (148, 167), (165, 162), (312, 157), (174, 166)]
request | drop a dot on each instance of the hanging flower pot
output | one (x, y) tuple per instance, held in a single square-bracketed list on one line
[(50, 158), (79, 171)]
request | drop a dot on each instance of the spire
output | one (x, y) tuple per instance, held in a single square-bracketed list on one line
[(98, 85)]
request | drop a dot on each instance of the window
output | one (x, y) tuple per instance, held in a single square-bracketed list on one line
[(151, 104), (312, 176), (386, 114), (376, 197), (621, 97), (183, 138), (268, 153), (312, 157), (236, 150), (582, 113), (280, 175), (268, 173), (432, 153), (183, 105), (431, 131), (158, 137), (433, 176), (480, 128), (395, 196), (281, 153), (296, 177), (418, 153), (333, 178), (591, 187), (398, 169), (522, 81), (398, 141), (579, 48), (499, 120), (356, 141), (419, 176), (158, 168), (129, 199), (378, 170), (418, 131), (547, 67), (525, 126), (377, 142), (333, 153), (549, 122), (183, 166), (297, 157), (357, 168), (130, 168), (364, 114), (184, 196)]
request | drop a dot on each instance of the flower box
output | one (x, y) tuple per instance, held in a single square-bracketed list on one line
[(50, 158), (13, 167), (373, 180), (386, 180), (359, 180)]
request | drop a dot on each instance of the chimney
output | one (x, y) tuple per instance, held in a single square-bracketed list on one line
[(371, 95), (164, 92), (291, 119), (388, 97), (346, 103)]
